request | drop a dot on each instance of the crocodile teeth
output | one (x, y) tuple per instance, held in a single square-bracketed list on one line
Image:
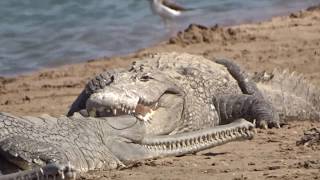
[(144, 118), (143, 110), (140, 117), (147, 117), (156, 105)]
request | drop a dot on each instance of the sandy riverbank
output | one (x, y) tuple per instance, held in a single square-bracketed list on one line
[(291, 42)]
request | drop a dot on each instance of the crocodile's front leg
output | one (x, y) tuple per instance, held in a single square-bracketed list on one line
[(46, 161), (245, 83), (250, 105), (50, 171), (98, 82), (245, 106)]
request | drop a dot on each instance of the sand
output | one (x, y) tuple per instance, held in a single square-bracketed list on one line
[(289, 42)]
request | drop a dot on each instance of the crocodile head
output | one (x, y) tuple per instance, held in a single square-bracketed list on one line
[(147, 94)]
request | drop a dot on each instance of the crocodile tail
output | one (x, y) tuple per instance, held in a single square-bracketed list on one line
[(293, 96)]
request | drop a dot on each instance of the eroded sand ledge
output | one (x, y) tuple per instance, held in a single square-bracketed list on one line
[(291, 42)]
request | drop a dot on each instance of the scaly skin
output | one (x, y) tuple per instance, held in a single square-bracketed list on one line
[(220, 90), (293, 97), (191, 92), (60, 147), (192, 104)]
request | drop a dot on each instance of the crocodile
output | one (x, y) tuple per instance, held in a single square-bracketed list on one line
[(170, 89), (164, 105), (60, 148)]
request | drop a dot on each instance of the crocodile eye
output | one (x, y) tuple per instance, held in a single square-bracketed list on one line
[(145, 77), (105, 79)]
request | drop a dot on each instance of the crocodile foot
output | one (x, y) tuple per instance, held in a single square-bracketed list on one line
[(263, 124), (49, 171), (59, 171)]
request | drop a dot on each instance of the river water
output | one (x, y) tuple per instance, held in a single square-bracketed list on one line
[(47, 33)]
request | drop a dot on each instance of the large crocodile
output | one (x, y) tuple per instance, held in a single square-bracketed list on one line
[(192, 104), (171, 89)]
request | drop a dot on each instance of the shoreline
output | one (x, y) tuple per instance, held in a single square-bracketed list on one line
[(70, 41), (161, 41), (287, 42)]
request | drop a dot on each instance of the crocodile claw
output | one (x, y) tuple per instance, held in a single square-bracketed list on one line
[(50, 171), (263, 124), (57, 171), (276, 125)]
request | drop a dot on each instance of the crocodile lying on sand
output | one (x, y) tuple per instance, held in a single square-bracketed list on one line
[(164, 105), (187, 84)]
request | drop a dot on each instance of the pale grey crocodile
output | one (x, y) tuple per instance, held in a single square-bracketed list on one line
[(173, 88), (61, 147), (192, 104)]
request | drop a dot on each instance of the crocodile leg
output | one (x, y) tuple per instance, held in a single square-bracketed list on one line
[(246, 85), (42, 157), (79, 103), (245, 106), (98, 82), (50, 171), (251, 105)]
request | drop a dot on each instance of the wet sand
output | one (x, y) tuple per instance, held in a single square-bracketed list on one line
[(289, 42)]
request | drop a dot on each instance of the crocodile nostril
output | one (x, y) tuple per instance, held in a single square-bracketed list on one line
[(145, 77)]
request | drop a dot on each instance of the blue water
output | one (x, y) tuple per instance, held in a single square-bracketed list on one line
[(47, 33)]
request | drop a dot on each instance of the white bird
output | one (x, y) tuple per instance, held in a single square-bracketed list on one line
[(166, 9)]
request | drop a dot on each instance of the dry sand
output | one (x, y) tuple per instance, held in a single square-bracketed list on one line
[(291, 42)]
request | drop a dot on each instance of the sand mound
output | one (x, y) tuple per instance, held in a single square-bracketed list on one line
[(201, 34)]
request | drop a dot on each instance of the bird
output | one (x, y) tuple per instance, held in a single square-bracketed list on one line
[(167, 10)]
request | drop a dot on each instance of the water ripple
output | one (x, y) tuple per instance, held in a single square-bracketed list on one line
[(43, 33)]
